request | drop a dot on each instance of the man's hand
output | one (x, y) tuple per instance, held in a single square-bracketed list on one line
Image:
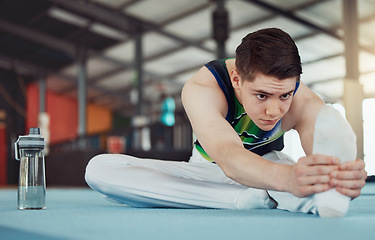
[(350, 178), (312, 174)]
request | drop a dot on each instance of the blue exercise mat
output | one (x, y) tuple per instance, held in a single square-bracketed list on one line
[(83, 214)]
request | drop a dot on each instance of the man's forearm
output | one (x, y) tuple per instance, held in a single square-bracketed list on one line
[(254, 171)]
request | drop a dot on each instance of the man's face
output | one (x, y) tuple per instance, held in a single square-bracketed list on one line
[(266, 99)]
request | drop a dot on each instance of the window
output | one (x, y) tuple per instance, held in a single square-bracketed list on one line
[(368, 107)]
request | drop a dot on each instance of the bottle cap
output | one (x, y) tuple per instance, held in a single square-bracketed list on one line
[(33, 140), (34, 131)]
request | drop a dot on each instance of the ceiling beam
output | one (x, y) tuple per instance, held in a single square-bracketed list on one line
[(57, 44), (120, 21), (19, 67), (188, 13), (290, 15), (242, 26), (164, 53), (38, 37), (97, 13), (161, 54), (61, 46)]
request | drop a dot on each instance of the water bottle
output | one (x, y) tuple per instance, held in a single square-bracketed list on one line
[(29, 149)]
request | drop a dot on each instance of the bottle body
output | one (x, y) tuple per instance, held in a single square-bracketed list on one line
[(31, 186)]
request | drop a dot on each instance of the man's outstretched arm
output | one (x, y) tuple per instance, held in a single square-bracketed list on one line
[(206, 108)]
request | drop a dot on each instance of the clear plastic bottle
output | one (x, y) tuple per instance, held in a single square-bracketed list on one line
[(29, 150)]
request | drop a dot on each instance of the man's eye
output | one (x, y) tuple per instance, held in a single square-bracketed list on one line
[(285, 97), (261, 96)]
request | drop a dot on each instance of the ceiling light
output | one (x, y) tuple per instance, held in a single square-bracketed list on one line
[(68, 17)]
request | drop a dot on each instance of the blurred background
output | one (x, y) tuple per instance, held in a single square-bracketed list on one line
[(106, 75)]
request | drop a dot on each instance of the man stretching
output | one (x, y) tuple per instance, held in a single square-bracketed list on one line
[(239, 110)]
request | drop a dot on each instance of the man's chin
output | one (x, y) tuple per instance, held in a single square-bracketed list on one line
[(266, 127)]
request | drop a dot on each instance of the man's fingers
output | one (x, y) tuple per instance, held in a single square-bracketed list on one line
[(318, 159), (351, 184), (317, 170), (355, 165), (308, 190), (350, 178), (350, 175), (353, 193), (311, 180)]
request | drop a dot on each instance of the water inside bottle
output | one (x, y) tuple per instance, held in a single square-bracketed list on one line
[(31, 197), (31, 188)]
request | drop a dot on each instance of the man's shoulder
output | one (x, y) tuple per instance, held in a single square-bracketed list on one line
[(203, 77), (203, 90)]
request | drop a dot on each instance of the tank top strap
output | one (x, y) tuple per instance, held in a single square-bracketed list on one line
[(219, 69)]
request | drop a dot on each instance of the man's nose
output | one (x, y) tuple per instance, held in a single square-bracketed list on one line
[(273, 108)]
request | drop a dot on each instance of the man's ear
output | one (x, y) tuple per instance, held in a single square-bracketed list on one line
[(235, 79)]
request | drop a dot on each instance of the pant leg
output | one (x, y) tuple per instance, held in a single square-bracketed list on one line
[(156, 183), (285, 200)]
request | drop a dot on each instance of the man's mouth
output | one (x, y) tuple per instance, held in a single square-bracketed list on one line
[(269, 122)]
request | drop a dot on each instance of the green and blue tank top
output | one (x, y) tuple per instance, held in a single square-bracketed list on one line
[(254, 139)]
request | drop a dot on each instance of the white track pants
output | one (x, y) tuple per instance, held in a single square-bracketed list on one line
[(194, 184)]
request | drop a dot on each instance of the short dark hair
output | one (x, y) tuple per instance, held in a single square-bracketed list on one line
[(269, 51)]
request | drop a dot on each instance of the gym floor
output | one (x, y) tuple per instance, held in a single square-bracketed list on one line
[(81, 213)]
